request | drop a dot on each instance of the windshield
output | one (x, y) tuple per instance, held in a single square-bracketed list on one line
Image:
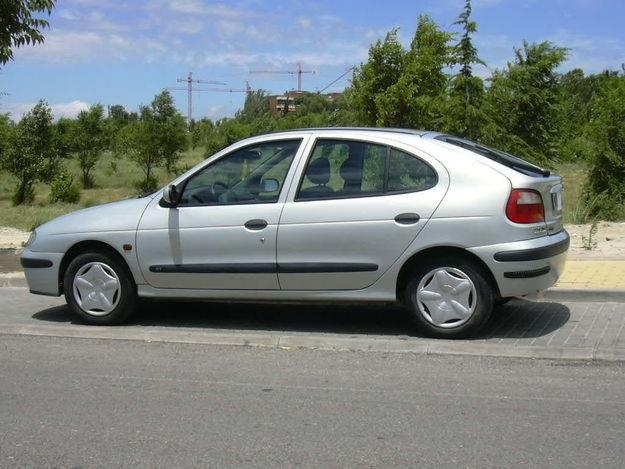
[(499, 156)]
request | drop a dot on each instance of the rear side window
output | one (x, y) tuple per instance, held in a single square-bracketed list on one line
[(345, 168)]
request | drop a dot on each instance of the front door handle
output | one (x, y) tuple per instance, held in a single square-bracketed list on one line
[(407, 218), (256, 224)]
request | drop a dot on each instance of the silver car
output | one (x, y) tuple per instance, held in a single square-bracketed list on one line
[(443, 225)]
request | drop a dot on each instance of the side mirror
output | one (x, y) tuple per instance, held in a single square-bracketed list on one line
[(270, 185), (171, 196)]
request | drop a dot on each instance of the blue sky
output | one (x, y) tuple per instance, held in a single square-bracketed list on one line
[(124, 52)]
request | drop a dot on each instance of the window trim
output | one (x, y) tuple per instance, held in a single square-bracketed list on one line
[(385, 192), (251, 145)]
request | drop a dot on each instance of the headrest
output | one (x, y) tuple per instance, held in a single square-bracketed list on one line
[(350, 171), (250, 155), (319, 171)]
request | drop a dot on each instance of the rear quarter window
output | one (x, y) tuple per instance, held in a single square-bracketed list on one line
[(409, 173)]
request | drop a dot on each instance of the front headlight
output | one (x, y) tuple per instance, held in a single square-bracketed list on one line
[(31, 239)]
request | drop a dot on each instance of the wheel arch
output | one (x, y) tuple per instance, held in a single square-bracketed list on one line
[(438, 251), (91, 246)]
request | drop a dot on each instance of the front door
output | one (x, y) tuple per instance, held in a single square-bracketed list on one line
[(223, 233), (356, 209)]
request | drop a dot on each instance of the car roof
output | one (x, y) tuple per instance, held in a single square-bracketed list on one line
[(419, 133)]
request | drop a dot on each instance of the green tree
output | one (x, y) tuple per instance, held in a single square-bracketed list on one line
[(137, 143), (63, 131), (169, 129), (465, 116), (89, 141), (381, 71), (605, 187), (156, 139), (522, 99), (30, 154), (256, 106), (577, 95), (201, 132), (416, 99), (20, 25)]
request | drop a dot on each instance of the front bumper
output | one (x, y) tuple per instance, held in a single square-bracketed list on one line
[(42, 271), (526, 267)]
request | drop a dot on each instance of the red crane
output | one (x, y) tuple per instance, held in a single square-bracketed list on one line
[(297, 72), (190, 89)]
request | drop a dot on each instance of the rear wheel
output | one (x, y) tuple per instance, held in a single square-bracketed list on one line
[(449, 297), (99, 289)]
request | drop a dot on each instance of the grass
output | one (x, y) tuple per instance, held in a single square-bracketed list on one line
[(115, 179), (574, 176)]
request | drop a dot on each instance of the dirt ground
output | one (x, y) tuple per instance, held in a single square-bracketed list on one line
[(12, 238), (607, 243)]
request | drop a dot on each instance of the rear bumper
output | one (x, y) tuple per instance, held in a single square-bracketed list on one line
[(42, 271), (526, 267)]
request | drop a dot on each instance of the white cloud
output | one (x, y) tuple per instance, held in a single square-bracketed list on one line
[(196, 7), (63, 47), (69, 109)]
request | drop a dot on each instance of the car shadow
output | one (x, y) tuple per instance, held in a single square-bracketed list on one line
[(518, 318)]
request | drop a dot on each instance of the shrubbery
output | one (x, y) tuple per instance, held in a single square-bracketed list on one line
[(63, 189)]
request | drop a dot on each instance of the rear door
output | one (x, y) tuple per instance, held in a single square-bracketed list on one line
[(353, 208)]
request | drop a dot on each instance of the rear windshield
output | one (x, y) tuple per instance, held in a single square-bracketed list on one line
[(499, 156)]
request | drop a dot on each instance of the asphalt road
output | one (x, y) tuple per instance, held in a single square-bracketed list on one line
[(88, 403)]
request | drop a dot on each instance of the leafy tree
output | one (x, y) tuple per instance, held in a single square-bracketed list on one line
[(415, 100), (170, 128), (20, 26), (154, 140), (137, 143), (89, 141), (381, 71), (30, 153), (605, 187), (465, 116), (521, 101), (256, 106), (63, 131), (201, 132), (577, 95)]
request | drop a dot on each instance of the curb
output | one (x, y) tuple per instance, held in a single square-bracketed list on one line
[(588, 295), (322, 342)]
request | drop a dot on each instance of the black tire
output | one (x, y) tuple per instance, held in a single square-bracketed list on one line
[(503, 301), (125, 298), (483, 301)]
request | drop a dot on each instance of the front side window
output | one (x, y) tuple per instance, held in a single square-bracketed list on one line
[(344, 168), (254, 174)]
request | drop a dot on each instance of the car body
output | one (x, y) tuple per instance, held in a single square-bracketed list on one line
[(332, 215)]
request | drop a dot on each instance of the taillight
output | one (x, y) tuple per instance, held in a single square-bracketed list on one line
[(525, 206)]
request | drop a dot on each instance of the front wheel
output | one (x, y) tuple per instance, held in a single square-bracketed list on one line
[(449, 298), (99, 289)]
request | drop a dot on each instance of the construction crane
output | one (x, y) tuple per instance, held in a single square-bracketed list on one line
[(190, 90), (248, 89), (299, 72)]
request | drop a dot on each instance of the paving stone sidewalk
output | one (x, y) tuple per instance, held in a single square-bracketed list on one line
[(521, 328)]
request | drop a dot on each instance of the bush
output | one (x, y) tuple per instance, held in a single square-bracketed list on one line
[(63, 189), (606, 180)]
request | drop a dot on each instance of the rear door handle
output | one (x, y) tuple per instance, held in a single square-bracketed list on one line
[(256, 224), (407, 218)]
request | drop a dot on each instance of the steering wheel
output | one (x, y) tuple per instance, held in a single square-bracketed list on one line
[(210, 193)]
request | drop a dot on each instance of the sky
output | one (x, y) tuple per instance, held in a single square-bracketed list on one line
[(124, 52)]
